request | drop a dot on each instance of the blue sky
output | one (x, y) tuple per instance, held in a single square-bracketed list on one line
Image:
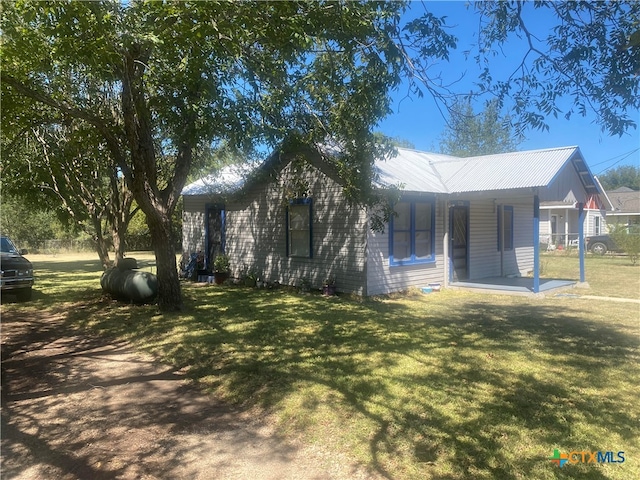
[(419, 121)]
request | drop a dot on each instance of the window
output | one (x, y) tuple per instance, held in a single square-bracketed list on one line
[(299, 228), (411, 232), (596, 227), (507, 227)]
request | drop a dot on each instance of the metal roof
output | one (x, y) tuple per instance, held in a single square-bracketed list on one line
[(417, 171), (226, 180), (413, 170), (516, 170)]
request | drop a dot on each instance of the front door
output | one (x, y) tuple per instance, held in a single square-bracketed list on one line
[(215, 234), (459, 252)]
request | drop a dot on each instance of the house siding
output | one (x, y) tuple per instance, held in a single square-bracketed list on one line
[(523, 239), (565, 187), (193, 224), (256, 235), (382, 278), (545, 225), (485, 260), (484, 257)]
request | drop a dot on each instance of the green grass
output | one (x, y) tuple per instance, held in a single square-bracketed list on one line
[(451, 385), (608, 275)]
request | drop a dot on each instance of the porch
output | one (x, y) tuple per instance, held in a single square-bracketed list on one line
[(513, 286)]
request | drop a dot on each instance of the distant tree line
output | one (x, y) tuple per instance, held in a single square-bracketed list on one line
[(622, 176)]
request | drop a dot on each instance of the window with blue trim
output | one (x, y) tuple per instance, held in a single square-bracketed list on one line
[(300, 228), (411, 233)]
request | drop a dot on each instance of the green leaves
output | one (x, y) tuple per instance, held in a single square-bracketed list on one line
[(469, 134), (589, 57)]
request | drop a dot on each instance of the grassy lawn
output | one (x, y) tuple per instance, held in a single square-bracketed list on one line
[(452, 385), (608, 275)]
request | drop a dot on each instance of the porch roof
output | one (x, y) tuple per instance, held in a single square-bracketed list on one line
[(435, 173)]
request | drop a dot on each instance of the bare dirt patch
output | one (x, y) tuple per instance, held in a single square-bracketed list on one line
[(78, 407)]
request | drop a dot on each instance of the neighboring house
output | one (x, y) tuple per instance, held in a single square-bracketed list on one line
[(625, 207), (457, 219), (559, 221)]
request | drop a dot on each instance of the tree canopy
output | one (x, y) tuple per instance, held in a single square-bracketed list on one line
[(468, 134), (621, 176), (161, 82), (591, 55)]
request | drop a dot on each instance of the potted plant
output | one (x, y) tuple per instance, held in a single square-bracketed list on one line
[(221, 269), (250, 279), (305, 285), (329, 286)]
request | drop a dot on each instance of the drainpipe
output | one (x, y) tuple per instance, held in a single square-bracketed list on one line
[(581, 240), (536, 244)]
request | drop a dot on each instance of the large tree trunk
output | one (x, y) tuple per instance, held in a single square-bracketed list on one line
[(157, 203), (169, 293)]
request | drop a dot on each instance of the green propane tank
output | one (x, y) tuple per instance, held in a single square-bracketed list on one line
[(139, 287)]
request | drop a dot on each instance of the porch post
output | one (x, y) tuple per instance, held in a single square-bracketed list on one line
[(445, 244), (536, 244), (581, 240), (566, 229)]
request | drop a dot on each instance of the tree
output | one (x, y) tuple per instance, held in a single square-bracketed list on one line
[(161, 82), (621, 176), (468, 134), (591, 54), (24, 223), (66, 166)]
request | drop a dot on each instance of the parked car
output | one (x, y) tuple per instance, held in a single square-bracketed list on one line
[(600, 244), (16, 272)]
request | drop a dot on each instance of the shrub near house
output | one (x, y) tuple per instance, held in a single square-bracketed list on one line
[(627, 238)]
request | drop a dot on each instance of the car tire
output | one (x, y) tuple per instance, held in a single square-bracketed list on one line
[(598, 248), (23, 295)]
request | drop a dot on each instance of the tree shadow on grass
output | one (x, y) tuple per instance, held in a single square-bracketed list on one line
[(481, 376), (80, 406)]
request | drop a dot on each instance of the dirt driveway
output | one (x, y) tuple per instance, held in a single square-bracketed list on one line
[(77, 407)]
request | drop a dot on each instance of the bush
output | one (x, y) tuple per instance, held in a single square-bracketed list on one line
[(627, 238)]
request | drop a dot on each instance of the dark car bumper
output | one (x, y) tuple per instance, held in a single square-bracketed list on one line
[(7, 284)]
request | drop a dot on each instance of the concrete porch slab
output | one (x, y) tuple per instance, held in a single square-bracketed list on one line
[(514, 286)]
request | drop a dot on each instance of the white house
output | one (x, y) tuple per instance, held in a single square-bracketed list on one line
[(458, 219)]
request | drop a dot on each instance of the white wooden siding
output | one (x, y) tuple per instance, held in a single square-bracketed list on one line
[(566, 187), (193, 223), (256, 236), (545, 223), (523, 238), (484, 257), (590, 222), (381, 278)]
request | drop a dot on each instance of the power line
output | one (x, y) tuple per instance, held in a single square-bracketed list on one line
[(623, 158), (613, 158)]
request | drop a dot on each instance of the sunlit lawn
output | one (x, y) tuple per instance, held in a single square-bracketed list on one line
[(608, 275), (450, 385)]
